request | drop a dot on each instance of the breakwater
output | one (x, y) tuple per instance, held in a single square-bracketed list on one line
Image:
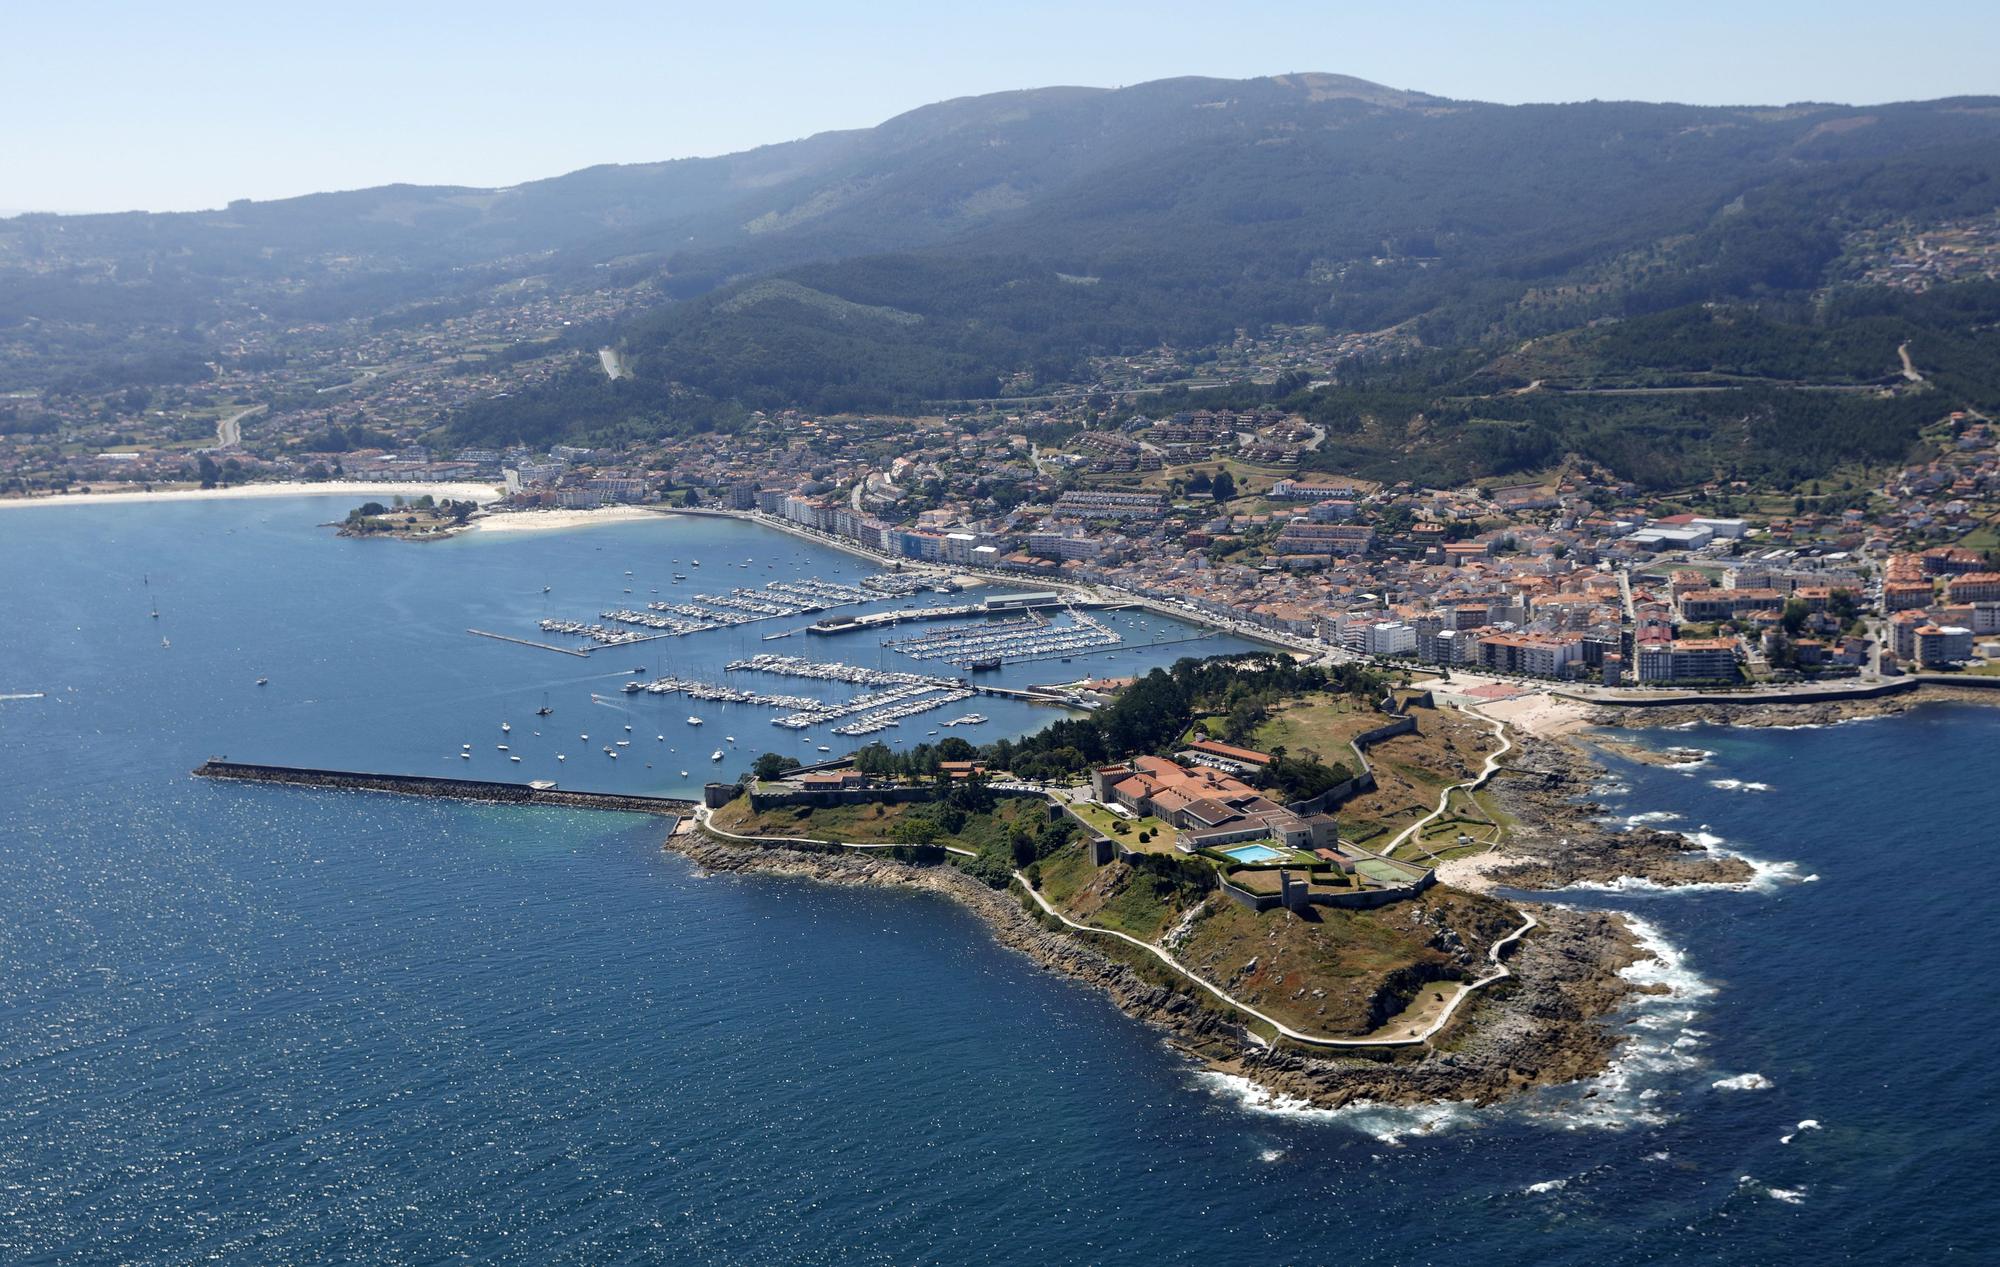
[(451, 789)]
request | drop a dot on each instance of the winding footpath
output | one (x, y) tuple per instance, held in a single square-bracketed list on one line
[(1500, 972), (1444, 798)]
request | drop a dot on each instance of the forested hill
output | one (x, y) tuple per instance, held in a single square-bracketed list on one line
[(1011, 236), (1036, 230)]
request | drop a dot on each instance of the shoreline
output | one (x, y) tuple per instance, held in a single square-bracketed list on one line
[(481, 493), (511, 521), (1786, 714), (1547, 1028)]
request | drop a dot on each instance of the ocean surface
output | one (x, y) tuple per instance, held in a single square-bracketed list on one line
[(244, 1024)]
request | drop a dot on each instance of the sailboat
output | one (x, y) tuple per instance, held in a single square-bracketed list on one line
[(544, 710)]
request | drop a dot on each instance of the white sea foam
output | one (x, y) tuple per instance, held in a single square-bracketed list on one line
[(1766, 875), (1739, 785), (1743, 1082), (1810, 1124), (1651, 816), (1661, 1045), (1389, 1123), (1790, 1196), (1256, 1098), (1271, 1155), (1546, 1185)]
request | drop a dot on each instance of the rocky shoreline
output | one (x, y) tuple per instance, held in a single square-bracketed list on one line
[(1762, 715), (1558, 839), (1541, 1026)]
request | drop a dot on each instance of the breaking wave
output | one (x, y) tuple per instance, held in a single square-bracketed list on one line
[(1739, 785)]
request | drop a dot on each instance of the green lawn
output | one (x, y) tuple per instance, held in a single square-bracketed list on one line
[(1123, 830), (1322, 724)]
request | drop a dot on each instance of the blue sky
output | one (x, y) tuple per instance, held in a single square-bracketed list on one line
[(174, 106)]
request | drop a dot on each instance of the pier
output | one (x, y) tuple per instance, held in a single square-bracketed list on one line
[(492, 791), (543, 646)]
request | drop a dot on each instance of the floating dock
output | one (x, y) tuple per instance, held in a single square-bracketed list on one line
[(537, 793)]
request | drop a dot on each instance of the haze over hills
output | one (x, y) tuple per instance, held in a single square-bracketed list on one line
[(1006, 239)]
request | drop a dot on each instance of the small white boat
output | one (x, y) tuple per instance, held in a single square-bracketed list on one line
[(624, 743), (585, 738), (501, 746), (716, 755), (263, 681), (506, 726), (612, 755), (730, 738), (824, 748), (513, 758), (684, 774), (628, 728), (693, 720), (561, 757), (465, 746), (465, 756), (661, 738)]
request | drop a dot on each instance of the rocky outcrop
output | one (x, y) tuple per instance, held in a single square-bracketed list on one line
[(1721, 712), (1538, 1027), (1542, 1026), (1557, 840)]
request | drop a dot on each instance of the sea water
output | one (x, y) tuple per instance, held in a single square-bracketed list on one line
[(249, 1024)]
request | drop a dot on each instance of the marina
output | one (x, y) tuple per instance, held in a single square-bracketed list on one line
[(1010, 641), (699, 613)]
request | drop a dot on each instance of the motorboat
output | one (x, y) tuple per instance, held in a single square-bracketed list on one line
[(693, 720), (716, 755)]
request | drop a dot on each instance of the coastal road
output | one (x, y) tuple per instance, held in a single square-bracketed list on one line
[(229, 429)]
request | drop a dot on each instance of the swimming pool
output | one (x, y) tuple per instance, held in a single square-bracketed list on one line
[(1254, 853)]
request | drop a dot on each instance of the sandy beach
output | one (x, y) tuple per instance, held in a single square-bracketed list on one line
[(1538, 713), (547, 520), (481, 493)]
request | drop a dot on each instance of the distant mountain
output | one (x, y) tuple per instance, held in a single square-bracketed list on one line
[(964, 242)]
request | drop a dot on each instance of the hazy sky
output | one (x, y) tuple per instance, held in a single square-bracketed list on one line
[(167, 106)]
